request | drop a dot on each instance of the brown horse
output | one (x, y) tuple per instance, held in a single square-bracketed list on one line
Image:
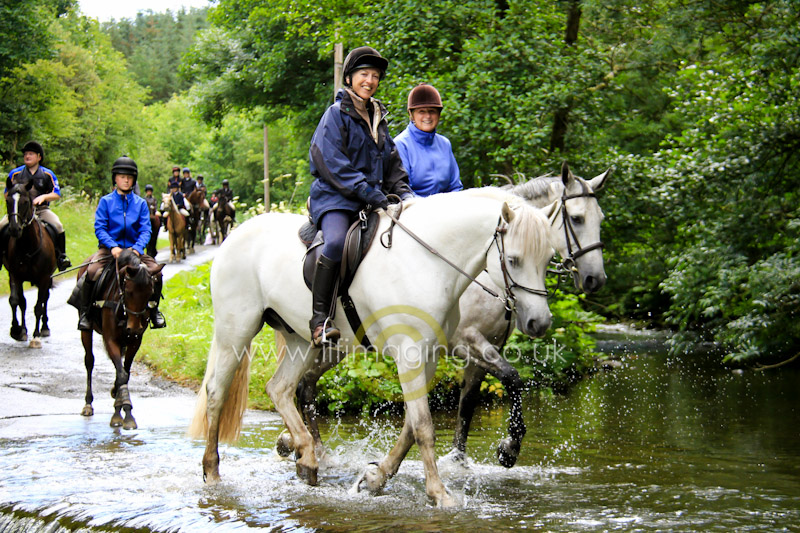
[(121, 320), (176, 228), (29, 256), (196, 199), (223, 218)]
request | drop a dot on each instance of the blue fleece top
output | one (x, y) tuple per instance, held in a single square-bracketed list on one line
[(428, 158), (122, 220)]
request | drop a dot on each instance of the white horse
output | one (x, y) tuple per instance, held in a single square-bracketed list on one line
[(485, 325), (406, 297)]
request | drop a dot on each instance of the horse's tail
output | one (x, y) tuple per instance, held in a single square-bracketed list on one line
[(230, 418)]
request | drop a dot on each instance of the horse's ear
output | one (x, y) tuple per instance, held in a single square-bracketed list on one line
[(158, 270), (551, 210), (597, 182), (508, 213), (566, 174)]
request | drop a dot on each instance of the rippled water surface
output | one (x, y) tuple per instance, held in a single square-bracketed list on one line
[(660, 444)]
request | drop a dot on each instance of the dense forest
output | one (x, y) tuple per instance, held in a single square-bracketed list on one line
[(693, 103)]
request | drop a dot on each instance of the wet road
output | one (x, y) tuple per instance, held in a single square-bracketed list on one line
[(52, 380)]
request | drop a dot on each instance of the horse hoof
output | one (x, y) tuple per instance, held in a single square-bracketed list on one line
[(18, 334), (285, 445), (129, 423), (116, 421), (35, 343), (507, 452), (372, 480), (45, 332), (87, 410), (307, 474)]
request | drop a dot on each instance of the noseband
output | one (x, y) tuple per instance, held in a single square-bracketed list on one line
[(567, 265)]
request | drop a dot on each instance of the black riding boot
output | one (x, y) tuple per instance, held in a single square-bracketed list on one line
[(85, 321), (157, 320), (61, 252), (322, 328)]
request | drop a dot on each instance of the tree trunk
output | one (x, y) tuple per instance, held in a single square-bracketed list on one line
[(561, 116)]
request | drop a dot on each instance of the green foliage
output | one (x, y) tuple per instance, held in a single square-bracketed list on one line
[(154, 44)]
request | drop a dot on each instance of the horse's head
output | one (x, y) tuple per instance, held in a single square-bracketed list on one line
[(575, 218), (19, 208), (524, 252), (136, 285)]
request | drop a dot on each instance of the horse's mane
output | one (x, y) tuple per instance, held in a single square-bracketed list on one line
[(534, 188), (128, 258), (529, 227)]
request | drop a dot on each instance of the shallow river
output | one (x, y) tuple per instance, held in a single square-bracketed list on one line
[(659, 444)]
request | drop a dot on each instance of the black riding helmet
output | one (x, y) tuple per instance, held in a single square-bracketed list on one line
[(363, 57), (124, 165), (33, 146), (148, 187)]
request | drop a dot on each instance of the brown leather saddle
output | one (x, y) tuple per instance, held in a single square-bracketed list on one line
[(356, 245)]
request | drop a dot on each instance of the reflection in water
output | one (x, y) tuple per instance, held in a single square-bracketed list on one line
[(663, 443)]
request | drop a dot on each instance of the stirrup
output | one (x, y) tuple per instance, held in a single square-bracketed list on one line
[(63, 262), (329, 334)]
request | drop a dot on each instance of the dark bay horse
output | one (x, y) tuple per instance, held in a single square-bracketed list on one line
[(121, 320), (223, 218), (155, 225), (29, 256), (196, 199)]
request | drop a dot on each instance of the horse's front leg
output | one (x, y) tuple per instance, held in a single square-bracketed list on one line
[(16, 299), (415, 377), (470, 395), (419, 417), (120, 391), (483, 357), (88, 361), (40, 312), (127, 405)]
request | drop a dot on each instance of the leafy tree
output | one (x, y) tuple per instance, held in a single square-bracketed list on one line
[(153, 45)]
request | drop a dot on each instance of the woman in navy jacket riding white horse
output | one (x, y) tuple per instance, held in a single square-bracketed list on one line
[(355, 163)]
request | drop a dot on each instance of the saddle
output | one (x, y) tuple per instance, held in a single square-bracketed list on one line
[(106, 276), (356, 245)]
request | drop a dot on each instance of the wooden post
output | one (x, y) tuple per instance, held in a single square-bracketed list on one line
[(266, 169), (338, 58)]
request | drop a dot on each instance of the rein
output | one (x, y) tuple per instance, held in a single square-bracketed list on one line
[(508, 298)]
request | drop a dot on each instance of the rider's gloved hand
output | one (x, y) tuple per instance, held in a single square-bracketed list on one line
[(377, 199)]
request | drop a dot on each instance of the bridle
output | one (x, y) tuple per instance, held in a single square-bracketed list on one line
[(15, 214), (121, 303), (567, 265)]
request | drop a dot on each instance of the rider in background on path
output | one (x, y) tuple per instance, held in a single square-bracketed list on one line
[(224, 192), (178, 198), (175, 178), (427, 156), (355, 165), (45, 190), (122, 220), (199, 185)]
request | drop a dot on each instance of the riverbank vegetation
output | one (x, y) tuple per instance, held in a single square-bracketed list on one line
[(695, 105), (362, 382)]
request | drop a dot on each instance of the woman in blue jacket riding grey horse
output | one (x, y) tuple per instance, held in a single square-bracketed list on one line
[(355, 165), (122, 220)]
